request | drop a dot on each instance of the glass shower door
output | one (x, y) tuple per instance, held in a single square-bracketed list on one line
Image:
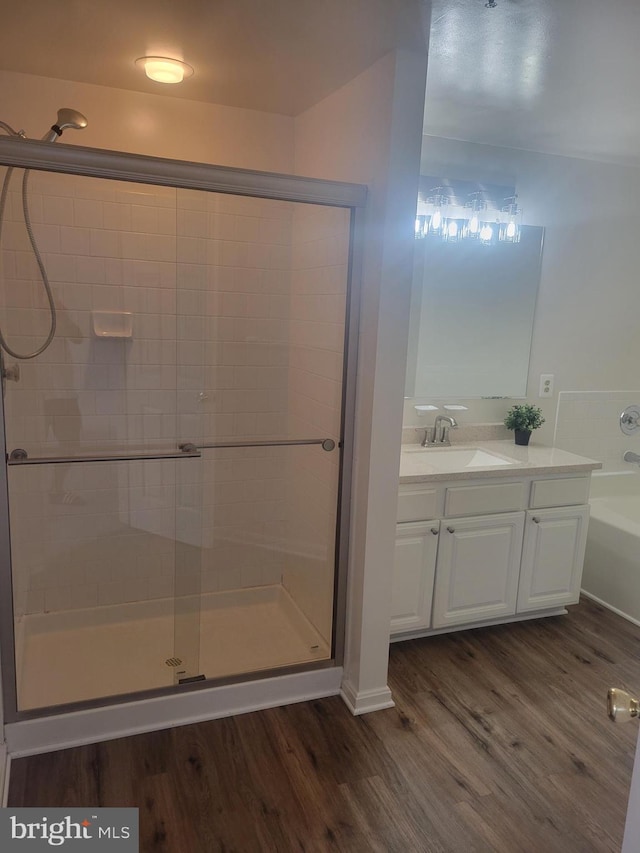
[(103, 504), (261, 301)]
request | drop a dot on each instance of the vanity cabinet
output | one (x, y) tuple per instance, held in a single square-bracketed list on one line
[(491, 551), (414, 571), (478, 566), (552, 557)]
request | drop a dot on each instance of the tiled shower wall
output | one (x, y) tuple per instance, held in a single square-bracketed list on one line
[(207, 280), (588, 423)]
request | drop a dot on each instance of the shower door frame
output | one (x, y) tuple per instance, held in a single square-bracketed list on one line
[(180, 174)]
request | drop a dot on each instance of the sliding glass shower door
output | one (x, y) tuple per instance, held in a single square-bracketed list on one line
[(174, 462)]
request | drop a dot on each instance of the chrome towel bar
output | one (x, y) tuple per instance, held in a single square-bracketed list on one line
[(186, 450), (20, 457), (326, 443)]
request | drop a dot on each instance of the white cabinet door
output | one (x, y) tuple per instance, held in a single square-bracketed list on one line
[(478, 568), (413, 570), (552, 557)]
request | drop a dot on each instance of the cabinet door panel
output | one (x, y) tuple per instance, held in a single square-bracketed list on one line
[(413, 573), (553, 557), (478, 567)]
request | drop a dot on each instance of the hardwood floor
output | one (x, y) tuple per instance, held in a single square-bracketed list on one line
[(499, 741)]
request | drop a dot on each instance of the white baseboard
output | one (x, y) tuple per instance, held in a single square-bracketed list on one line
[(610, 607), (61, 731), (365, 701)]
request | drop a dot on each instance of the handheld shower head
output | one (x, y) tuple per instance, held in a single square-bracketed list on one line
[(67, 119)]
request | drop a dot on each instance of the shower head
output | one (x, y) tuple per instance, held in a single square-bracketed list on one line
[(66, 119)]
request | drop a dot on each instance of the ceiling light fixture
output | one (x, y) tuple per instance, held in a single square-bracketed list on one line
[(162, 69)]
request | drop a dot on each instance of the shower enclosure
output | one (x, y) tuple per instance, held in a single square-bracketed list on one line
[(178, 459)]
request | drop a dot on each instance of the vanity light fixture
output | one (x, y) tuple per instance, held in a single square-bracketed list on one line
[(422, 226), (453, 231), (437, 224), (487, 233), (473, 225), (163, 69), (511, 221), (474, 220)]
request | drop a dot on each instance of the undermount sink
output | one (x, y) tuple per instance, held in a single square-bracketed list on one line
[(449, 458)]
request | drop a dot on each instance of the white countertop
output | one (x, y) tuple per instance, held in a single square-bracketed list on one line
[(470, 461)]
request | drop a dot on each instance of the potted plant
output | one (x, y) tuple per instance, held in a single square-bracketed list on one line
[(523, 419)]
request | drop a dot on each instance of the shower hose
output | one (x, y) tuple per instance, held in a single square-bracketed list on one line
[(36, 252)]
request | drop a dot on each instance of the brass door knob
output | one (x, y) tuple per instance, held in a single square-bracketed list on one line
[(621, 706)]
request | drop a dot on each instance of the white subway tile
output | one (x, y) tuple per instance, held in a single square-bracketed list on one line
[(57, 210), (75, 241)]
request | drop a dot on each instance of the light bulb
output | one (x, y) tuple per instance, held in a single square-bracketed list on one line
[(474, 224), (486, 233), (436, 221), (510, 228), (452, 229)]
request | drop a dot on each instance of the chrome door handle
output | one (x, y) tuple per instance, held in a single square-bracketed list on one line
[(621, 706)]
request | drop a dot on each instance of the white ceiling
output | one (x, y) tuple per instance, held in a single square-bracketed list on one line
[(279, 56), (558, 76)]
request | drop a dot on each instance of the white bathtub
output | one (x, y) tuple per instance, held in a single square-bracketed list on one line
[(612, 560)]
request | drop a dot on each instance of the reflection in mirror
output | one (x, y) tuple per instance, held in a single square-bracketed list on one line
[(472, 316)]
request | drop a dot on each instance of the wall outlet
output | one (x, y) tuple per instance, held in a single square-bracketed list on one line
[(546, 385)]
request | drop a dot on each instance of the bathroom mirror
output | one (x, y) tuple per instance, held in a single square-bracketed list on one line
[(472, 317)]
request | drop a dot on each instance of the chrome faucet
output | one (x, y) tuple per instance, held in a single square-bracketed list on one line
[(438, 434), (442, 437)]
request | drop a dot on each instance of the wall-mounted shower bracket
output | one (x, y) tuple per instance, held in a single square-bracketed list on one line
[(630, 420)]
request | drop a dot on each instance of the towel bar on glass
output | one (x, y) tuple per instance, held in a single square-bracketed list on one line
[(187, 450), (327, 444), (20, 457)]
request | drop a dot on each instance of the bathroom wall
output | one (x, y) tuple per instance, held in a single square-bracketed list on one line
[(156, 125), (369, 132), (588, 423), (588, 302)]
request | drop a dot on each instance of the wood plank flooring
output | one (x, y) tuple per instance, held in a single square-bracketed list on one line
[(499, 742)]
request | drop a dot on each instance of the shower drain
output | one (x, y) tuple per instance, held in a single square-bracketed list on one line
[(173, 661)]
